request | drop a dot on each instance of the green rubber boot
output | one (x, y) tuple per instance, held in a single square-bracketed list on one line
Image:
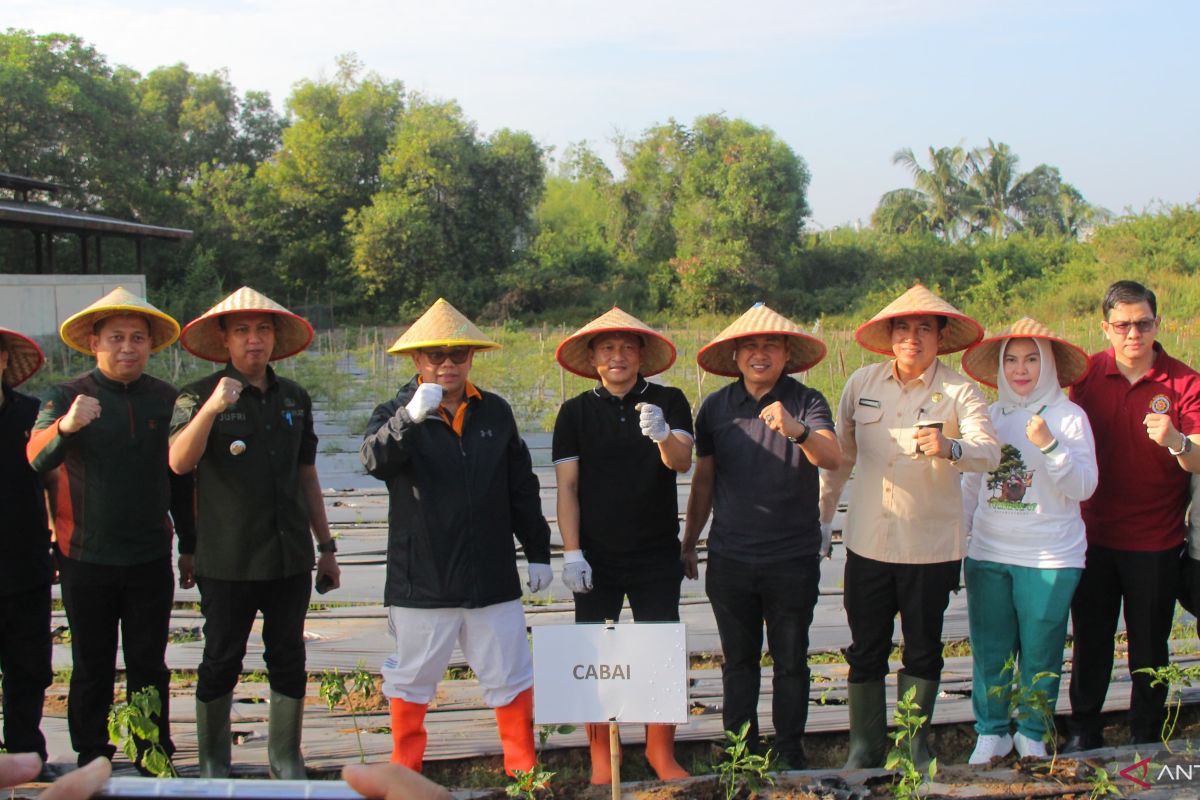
[(213, 737), (283, 738), (868, 725), (926, 697)]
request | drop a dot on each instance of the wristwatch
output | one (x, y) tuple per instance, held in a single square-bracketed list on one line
[(802, 437), (955, 450), (1183, 448), (327, 547)]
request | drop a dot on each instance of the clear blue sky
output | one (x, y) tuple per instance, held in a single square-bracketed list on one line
[(1106, 91)]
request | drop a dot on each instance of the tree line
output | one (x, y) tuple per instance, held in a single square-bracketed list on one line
[(377, 199)]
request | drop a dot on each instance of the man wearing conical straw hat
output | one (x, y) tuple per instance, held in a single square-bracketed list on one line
[(759, 443), (25, 570), (617, 449), (1144, 406), (912, 426), (101, 442), (247, 433), (460, 485)]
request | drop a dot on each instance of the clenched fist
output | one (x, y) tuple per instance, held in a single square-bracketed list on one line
[(424, 401), (83, 412), (226, 394)]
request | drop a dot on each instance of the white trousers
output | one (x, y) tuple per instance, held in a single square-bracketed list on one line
[(492, 638)]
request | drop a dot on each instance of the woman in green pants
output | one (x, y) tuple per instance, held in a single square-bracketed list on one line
[(1026, 547)]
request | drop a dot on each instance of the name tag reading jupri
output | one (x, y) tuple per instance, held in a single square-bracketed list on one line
[(635, 672)]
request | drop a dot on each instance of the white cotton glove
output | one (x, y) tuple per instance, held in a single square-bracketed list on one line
[(826, 550), (653, 423), (577, 572), (540, 576), (425, 401)]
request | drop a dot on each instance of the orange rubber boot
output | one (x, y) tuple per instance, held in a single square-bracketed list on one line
[(660, 752), (408, 733), (601, 753), (515, 724)]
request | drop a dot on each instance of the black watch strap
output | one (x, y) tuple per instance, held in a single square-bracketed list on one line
[(802, 438), (327, 547)]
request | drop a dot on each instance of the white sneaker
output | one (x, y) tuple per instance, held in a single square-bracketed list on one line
[(1029, 748), (989, 747)]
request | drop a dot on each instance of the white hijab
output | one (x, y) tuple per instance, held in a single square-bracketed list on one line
[(1047, 392)]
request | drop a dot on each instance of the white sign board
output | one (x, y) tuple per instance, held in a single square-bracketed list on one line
[(635, 672)]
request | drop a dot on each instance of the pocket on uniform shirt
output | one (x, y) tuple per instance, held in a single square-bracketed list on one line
[(865, 415)]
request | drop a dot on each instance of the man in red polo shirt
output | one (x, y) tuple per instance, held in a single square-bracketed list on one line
[(1144, 407)]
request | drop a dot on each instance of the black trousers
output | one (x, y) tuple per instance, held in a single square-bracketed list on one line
[(100, 600), (782, 594), (1146, 584), (875, 591), (229, 608), (25, 662), (653, 597)]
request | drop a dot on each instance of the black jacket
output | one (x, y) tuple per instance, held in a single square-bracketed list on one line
[(455, 504), (24, 534)]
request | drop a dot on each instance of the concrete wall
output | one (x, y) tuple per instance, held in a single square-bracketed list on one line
[(36, 305)]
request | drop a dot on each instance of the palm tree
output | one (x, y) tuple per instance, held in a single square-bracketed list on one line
[(943, 186), (996, 187)]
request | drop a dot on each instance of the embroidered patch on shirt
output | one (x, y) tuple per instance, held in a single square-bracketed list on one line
[(1160, 404), (869, 403)]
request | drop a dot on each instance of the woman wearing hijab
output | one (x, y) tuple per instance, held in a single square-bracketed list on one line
[(1026, 548)]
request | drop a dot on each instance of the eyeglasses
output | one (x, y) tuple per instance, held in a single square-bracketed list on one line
[(1143, 326), (437, 357)]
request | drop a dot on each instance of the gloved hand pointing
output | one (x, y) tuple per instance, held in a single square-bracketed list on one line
[(653, 423), (577, 572), (425, 401)]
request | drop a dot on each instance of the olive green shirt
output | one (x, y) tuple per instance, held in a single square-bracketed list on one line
[(251, 518)]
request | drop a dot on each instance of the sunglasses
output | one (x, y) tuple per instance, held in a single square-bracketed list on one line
[(1143, 326), (457, 356)]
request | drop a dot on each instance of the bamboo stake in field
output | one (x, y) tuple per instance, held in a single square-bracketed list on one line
[(614, 757)]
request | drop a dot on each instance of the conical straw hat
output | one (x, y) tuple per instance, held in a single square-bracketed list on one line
[(657, 351), (982, 361), (961, 331), (804, 351), (164, 330), (442, 325), (24, 357), (203, 336)]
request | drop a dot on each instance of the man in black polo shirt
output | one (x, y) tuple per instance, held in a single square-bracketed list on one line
[(248, 434), (617, 448), (25, 571), (759, 442)]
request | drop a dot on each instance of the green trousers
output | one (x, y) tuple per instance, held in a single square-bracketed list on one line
[(1021, 613)]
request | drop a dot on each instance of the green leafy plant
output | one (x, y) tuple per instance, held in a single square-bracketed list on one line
[(528, 783), (1102, 784), (132, 727), (909, 718), (1037, 700), (350, 689), (743, 768), (1175, 678)]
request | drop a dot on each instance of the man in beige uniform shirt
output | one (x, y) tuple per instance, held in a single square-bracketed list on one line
[(904, 535)]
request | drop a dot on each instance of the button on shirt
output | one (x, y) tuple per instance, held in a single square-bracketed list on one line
[(628, 499), (252, 522), (905, 507), (1140, 501), (765, 489)]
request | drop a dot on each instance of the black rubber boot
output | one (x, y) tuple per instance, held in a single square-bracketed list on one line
[(283, 738)]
